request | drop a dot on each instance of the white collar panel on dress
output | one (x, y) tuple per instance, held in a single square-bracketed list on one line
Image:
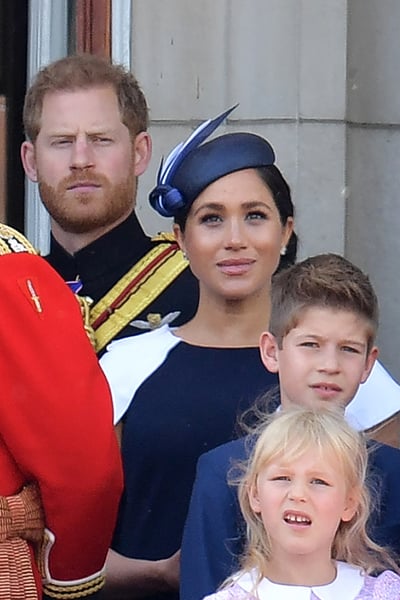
[(375, 401), (348, 583), (130, 361)]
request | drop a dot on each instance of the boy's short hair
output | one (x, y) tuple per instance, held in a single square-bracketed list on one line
[(80, 72), (326, 281)]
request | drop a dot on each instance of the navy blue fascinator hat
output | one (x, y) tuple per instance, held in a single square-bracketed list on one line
[(192, 166)]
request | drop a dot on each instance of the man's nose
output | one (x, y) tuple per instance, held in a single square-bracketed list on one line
[(82, 155)]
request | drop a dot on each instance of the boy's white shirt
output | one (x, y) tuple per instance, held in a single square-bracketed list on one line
[(347, 584)]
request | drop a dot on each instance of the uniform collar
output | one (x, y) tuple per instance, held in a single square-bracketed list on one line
[(125, 244)]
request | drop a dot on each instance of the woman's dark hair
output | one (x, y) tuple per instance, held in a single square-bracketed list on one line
[(282, 196)]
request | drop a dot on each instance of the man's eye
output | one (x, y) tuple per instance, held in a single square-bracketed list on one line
[(62, 142), (102, 140)]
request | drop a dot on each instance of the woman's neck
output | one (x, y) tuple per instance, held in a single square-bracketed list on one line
[(229, 323)]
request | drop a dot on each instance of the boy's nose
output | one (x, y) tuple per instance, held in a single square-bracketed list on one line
[(329, 362)]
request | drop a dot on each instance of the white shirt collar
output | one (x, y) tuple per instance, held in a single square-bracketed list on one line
[(349, 581)]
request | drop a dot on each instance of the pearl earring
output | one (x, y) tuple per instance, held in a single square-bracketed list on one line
[(283, 250)]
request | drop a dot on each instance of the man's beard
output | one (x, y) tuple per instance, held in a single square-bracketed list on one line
[(86, 212)]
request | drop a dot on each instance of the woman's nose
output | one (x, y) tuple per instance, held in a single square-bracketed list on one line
[(235, 236)]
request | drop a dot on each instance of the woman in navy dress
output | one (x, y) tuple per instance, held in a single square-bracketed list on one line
[(178, 392)]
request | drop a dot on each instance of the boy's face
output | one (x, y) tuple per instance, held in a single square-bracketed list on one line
[(323, 359)]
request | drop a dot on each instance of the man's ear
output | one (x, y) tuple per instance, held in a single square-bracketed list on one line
[(28, 160), (269, 351), (142, 148), (369, 363)]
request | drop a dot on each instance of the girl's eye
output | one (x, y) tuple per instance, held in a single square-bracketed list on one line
[(319, 481), (281, 478)]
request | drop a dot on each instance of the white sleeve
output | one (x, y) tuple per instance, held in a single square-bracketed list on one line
[(130, 361), (376, 400)]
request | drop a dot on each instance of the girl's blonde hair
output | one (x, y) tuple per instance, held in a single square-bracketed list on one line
[(290, 433)]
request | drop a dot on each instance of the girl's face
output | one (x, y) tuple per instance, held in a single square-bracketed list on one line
[(301, 503), (233, 236)]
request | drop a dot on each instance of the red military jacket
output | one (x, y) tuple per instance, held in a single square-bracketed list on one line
[(55, 429)]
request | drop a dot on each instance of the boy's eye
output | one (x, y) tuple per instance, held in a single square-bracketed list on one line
[(309, 344), (351, 349)]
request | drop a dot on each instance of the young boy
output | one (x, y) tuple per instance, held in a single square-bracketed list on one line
[(323, 324)]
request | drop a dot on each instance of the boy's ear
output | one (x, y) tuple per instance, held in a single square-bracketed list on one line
[(269, 351), (369, 363)]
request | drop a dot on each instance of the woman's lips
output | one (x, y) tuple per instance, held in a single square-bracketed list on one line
[(239, 266)]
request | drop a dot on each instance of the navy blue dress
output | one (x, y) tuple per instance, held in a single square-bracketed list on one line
[(188, 404)]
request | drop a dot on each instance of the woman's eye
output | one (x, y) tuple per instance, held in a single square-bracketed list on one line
[(210, 219), (256, 215)]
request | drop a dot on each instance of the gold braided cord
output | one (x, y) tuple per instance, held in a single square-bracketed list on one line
[(80, 590), (12, 240)]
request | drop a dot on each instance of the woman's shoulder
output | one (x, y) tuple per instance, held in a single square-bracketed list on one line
[(159, 335), (130, 361), (232, 592)]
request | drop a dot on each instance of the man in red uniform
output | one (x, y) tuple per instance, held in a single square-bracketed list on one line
[(59, 459)]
